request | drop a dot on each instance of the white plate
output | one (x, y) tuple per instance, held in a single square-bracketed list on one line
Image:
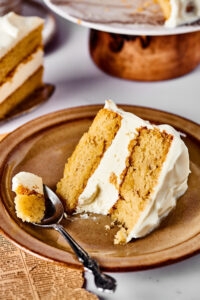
[(117, 17)]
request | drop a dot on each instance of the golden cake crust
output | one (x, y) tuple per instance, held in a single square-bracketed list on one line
[(87, 156)]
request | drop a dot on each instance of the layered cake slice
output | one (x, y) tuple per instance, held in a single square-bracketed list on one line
[(177, 12), (21, 59), (29, 200), (127, 168)]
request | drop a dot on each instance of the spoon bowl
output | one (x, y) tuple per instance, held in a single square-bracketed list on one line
[(54, 209), (53, 216)]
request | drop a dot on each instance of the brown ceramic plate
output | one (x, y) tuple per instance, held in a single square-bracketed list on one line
[(43, 145)]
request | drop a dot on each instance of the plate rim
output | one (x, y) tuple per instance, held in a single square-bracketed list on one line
[(127, 31), (192, 245)]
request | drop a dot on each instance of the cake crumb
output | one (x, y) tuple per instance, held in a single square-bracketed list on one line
[(107, 227), (140, 9), (113, 179), (120, 237), (112, 224), (147, 4)]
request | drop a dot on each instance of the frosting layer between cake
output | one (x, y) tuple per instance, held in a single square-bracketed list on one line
[(21, 74), (101, 193)]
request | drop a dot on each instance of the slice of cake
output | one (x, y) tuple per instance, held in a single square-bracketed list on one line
[(29, 200), (21, 59), (127, 168), (177, 12)]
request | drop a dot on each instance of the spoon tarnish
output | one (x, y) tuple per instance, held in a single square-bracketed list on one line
[(53, 216)]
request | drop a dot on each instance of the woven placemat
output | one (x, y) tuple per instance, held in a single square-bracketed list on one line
[(23, 276)]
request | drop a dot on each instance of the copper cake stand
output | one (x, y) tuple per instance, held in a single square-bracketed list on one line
[(134, 45), (145, 58)]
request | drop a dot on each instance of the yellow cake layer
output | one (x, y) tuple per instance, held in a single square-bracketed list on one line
[(87, 156), (29, 205), (166, 7), (30, 85), (147, 154), (23, 49)]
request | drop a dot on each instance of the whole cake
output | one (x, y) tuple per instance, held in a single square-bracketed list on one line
[(127, 168), (178, 12), (29, 200), (21, 59)]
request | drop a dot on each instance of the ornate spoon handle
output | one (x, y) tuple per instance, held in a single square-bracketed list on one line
[(102, 281)]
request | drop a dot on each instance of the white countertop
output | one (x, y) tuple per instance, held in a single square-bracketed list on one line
[(79, 82)]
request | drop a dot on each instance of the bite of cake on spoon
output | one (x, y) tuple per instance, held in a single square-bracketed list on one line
[(29, 200)]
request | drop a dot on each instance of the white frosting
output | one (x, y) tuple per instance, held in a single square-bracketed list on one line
[(171, 185), (100, 194), (14, 28), (29, 181), (21, 74), (179, 15)]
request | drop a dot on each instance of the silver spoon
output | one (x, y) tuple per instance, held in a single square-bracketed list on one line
[(53, 216)]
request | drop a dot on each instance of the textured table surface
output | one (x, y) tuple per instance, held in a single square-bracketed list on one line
[(79, 82)]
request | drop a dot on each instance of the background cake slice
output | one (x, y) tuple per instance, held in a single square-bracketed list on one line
[(29, 200), (21, 59), (136, 179)]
